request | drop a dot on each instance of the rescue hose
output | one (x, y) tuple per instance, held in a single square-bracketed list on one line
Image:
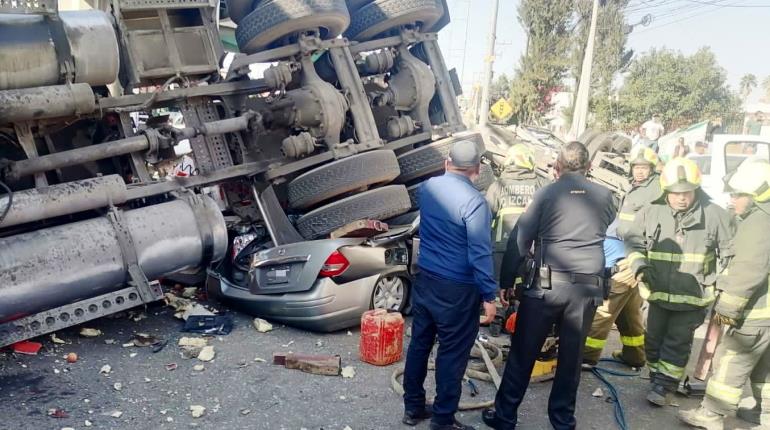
[(488, 352), (618, 411)]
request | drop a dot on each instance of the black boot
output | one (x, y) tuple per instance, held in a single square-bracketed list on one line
[(490, 419), (414, 418)]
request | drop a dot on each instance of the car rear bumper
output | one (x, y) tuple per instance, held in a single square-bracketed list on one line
[(326, 307)]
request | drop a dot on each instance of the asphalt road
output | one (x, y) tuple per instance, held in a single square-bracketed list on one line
[(241, 393)]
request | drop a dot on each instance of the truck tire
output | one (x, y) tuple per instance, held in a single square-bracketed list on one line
[(354, 5), (272, 20), (238, 9), (414, 194), (403, 219), (380, 16), (424, 160), (602, 142), (587, 136), (380, 204), (342, 176)]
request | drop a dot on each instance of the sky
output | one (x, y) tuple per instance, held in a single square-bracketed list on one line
[(738, 32)]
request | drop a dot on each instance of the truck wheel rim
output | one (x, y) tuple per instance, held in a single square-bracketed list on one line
[(389, 293)]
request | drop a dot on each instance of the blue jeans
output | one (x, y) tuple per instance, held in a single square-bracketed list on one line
[(450, 311)]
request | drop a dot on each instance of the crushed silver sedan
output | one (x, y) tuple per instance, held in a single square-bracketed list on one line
[(321, 285)]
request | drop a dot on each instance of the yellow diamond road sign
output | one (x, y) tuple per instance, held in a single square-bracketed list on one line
[(501, 109)]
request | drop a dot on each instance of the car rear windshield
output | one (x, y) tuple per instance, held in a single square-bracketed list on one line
[(738, 151)]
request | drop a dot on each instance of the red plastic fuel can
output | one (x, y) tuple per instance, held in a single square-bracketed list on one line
[(382, 337)]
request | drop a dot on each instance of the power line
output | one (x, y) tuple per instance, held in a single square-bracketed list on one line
[(704, 2), (684, 18)]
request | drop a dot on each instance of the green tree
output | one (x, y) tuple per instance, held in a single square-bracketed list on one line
[(500, 89), (546, 60), (748, 83), (683, 89), (610, 55)]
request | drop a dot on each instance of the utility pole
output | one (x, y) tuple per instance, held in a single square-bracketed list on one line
[(580, 113), (489, 63)]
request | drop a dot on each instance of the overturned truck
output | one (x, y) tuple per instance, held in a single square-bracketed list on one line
[(355, 107)]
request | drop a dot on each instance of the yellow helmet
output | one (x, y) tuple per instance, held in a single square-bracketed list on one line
[(752, 177), (680, 176), (643, 155), (520, 155)]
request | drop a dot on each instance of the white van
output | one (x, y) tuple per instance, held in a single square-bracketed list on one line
[(727, 152)]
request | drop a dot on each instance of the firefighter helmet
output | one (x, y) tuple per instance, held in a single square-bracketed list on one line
[(752, 177), (520, 155), (680, 176), (643, 155)]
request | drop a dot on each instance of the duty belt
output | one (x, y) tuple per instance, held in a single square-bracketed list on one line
[(577, 278)]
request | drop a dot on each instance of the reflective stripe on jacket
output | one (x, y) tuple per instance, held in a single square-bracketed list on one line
[(682, 249), (744, 284)]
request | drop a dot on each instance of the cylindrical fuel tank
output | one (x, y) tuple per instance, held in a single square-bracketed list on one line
[(28, 49), (52, 267), (63, 199)]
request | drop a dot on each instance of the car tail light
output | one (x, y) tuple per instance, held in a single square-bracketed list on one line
[(334, 265)]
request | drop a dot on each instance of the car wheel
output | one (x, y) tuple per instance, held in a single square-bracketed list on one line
[(379, 204), (380, 16), (586, 137), (342, 176), (390, 293), (272, 20), (238, 9), (601, 143), (485, 179)]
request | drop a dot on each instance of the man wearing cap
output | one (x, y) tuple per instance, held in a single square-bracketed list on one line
[(566, 222), (510, 194), (455, 278), (673, 247)]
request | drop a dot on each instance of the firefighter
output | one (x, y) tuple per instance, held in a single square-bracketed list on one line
[(510, 194), (744, 352), (624, 306), (673, 248)]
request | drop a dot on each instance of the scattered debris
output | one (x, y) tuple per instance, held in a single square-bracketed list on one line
[(143, 340), (55, 339), (260, 360), (170, 367), (116, 414), (159, 345), (193, 342), (189, 292), (242, 364), (56, 371), (179, 304), (206, 354), (58, 413), (674, 404), (348, 372), (262, 326), (347, 428), (128, 345), (197, 411), (109, 341), (132, 355), (117, 386), (136, 316), (105, 370), (291, 342), (209, 324), (598, 393), (90, 332), (195, 310), (169, 420), (319, 343), (350, 333), (199, 368), (315, 364), (27, 347), (71, 357), (88, 423), (67, 428), (245, 411), (147, 380)]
